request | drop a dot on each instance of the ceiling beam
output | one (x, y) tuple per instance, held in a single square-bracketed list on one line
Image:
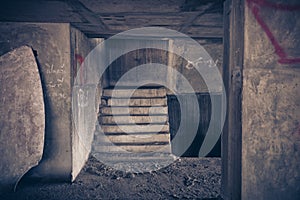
[(191, 20), (108, 35), (86, 14)]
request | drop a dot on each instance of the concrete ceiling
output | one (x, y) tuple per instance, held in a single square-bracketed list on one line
[(103, 18)]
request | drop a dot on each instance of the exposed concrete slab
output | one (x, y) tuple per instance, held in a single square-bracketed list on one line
[(106, 18), (22, 115)]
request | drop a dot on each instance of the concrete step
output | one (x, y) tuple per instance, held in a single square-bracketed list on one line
[(126, 154), (145, 138), (135, 148), (125, 157), (139, 102), (161, 119), (134, 110), (135, 129), (155, 143), (125, 93), (138, 163)]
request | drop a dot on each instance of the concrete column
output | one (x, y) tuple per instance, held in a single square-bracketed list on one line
[(60, 50), (271, 101)]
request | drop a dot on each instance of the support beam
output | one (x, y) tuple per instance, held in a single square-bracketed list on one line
[(233, 69)]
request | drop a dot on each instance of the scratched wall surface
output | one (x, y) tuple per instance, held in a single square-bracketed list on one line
[(52, 45), (211, 47), (271, 101)]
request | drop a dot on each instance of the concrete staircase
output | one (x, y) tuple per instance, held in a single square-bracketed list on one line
[(140, 127), (133, 124)]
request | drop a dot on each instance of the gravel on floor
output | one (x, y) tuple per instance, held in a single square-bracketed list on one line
[(186, 178)]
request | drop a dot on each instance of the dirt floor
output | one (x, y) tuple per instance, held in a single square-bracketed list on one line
[(187, 178)]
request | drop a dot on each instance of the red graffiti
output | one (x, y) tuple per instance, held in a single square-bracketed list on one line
[(80, 60), (254, 6)]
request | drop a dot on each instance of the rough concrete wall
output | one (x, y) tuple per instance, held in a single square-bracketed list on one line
[(130, 60), (213, 47), (104, 81), (52, 45), (22, 116), (271, 102), (84, 115)]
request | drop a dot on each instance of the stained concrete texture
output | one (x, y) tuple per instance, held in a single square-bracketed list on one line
[(52, 45), (60, 51), (22, 115), (271, 139), (271, 104), (272, 35)]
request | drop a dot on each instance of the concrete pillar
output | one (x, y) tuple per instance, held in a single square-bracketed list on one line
[(271, 101), (60, 49)]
